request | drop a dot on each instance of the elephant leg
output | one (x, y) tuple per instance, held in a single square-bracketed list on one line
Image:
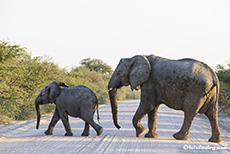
[(97, 128), (140, 113), (212, 114), (152, 123), (86, 130), (65, 121), (185, 129), (53, 122), (87, 116)]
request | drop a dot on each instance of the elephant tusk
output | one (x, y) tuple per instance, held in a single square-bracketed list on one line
[(138, 88), (110, 89)]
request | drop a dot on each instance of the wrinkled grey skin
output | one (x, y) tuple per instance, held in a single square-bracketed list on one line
[(77, 101), (186, 84)]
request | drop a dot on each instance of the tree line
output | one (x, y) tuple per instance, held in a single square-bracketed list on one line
[(23, 76)]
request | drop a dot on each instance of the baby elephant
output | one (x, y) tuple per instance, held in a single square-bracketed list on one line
[(77, 101)]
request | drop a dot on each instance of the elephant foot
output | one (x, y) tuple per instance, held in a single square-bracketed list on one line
[(69, 134), (99, 131), (215, 139), (140, 131), (151, 135), (48, 132), (181, 136), (85, 134)]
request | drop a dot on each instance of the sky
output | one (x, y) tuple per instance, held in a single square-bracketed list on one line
[(71, 30)]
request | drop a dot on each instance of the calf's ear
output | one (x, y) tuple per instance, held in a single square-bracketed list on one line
[(54, 91)]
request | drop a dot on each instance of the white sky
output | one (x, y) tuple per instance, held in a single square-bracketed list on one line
[(71, 30)]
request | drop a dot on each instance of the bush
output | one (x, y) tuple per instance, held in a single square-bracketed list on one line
[(96, 81), (224, 77), (22, 77)]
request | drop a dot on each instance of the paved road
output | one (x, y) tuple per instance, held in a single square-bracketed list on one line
[(23, 138)]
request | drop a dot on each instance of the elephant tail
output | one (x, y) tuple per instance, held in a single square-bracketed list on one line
[(98, 118), (212, 103), (215, 84), (217, 93)]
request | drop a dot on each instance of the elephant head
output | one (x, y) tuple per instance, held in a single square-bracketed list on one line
[(47, 95), (130, 71)]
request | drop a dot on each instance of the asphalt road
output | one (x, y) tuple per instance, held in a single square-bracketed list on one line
[(23, 138)]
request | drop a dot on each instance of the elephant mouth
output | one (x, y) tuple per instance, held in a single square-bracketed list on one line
[(117, 86)]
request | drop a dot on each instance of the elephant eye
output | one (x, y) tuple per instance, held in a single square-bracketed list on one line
[(119, 74)]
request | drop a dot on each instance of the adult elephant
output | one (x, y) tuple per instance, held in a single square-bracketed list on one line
[(186, 84), (77, 101)]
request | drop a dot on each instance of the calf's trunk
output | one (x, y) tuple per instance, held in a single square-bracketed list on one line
[(38, 113)]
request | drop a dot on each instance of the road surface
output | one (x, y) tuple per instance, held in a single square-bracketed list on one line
[(23, 138)]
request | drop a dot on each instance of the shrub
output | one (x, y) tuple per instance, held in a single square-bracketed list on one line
[(22, 77)]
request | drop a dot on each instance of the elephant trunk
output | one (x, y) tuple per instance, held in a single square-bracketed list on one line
[(113, 102), (38, 112)]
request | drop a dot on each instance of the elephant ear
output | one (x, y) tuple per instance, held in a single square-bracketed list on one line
[(140, 71), (54, 91)]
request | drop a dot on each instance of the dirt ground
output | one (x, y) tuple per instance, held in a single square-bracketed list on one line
[(23, 138)]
